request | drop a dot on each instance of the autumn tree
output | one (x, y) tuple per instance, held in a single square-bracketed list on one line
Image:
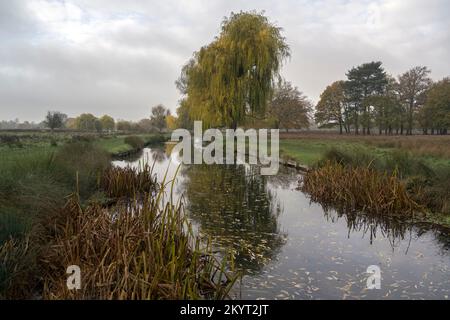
[(123, 125), (145, 125), (289, 107), (55, 120), (107, 123), (183, 118), (332, 107), (86, 121), (233, 76), (435, 114), (158, 117), (413, 85), (71, 123), (171, 122)]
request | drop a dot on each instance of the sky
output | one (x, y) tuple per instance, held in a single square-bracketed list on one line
[(122, 57)]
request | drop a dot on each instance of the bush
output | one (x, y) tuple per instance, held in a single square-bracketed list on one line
[(353, 157), (135, 142), (156, 139), (11, 140), (80, 165), (432, 191)]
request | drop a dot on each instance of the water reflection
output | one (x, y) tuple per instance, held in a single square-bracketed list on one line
[(233, 206), (289, 247)]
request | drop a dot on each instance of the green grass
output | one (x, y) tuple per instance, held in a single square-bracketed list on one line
[(117, 144), (310, 151), (114, 144)]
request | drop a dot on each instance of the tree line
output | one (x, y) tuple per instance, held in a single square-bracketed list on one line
[(160, 119), (235, 81), (371, 99)]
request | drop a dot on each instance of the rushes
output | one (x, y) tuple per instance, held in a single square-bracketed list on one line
[(142, 250), (128, 182), (359, 189)]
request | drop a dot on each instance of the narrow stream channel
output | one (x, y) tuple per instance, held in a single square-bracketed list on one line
[(289, 248)]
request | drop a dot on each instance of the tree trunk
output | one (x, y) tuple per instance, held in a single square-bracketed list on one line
[(410, 118)]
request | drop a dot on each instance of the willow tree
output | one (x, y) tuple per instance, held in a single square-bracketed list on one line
[(233, 76)]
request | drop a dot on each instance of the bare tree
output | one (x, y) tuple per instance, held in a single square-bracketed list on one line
[(158, 117), (289, 107)]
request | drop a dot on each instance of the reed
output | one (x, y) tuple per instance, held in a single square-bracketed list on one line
[(128, 182), (359, 189), (141, 250)]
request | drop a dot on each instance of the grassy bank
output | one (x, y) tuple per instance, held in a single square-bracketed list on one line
[(308, 149), (120, 144), (358, 178), (56, 207)]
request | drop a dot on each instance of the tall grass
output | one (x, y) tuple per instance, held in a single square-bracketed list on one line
[(142, 248), (359, 174), (145, 250), (34, 183), (129, 182), (359, 189)]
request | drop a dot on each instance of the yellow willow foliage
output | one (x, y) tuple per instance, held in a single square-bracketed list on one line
[(234, 75)]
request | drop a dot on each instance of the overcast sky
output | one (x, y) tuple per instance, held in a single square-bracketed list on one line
[(122, 57)]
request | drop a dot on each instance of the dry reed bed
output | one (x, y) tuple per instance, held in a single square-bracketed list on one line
[(128, 182), (359, 189), (141, 250)]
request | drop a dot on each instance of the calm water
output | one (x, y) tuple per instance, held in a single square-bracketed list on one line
[(289, 248)]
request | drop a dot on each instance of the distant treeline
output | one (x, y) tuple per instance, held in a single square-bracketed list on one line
[(159, 120), (371, 100)]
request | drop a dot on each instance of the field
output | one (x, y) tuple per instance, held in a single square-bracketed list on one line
[(308, 148)]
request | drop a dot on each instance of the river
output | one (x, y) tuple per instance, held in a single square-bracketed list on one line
[(290, 248)]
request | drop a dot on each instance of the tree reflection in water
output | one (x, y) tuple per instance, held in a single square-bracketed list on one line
[(232, 205), (394, 228)]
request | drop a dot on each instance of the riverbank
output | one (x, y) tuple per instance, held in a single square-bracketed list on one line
[(421, 164), (118, 147), (46, 189)]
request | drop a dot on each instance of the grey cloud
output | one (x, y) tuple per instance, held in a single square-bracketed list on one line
[(122, 57)]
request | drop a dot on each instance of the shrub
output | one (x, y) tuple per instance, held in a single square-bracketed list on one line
[(156, 139), (432, 191), (11, 140), (135, 142), (80, 165)]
